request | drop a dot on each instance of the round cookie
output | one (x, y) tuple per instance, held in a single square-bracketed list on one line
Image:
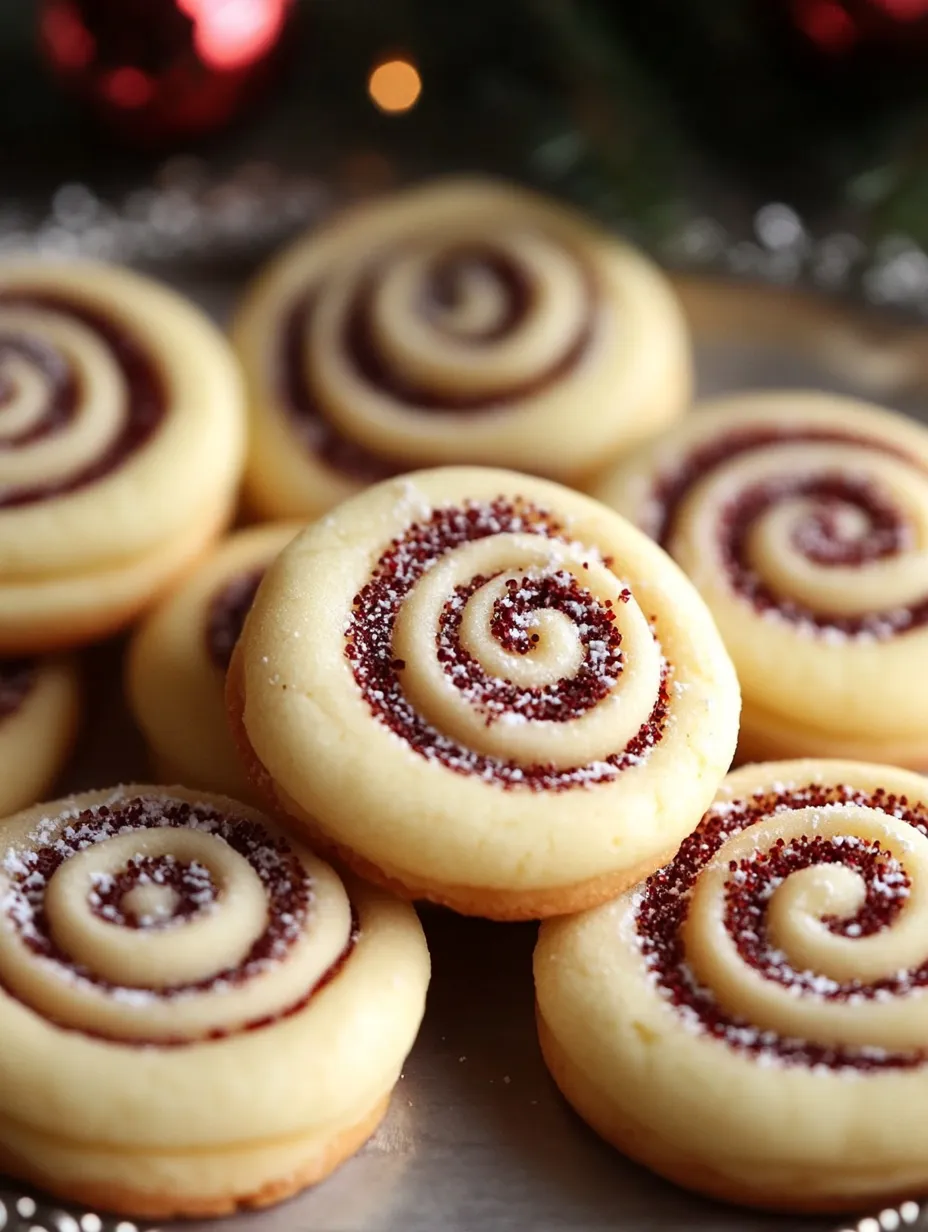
[(803, 520), (463, 321), (197, 1014), (486, 691), (121, 445), (39, 714), (176, 664), (752, 1021)]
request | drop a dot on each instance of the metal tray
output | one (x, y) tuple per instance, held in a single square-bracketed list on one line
[(477, 1137)]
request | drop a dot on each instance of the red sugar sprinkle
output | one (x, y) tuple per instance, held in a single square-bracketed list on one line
[(510, 625), (369, 641), (821, 538), (286, 884), (146, 403), (664, 906), (443, 286), (191, 882)]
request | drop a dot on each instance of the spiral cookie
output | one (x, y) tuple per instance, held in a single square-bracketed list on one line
[(466, 321), (803, 521), (195, 1014), (39, 710), (486, 691), (752, 1021), (121, 444), (175, 671)]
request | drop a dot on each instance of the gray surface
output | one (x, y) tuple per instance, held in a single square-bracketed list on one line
[(477, 1138)]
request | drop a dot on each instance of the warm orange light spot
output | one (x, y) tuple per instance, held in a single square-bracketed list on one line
[(395, 85)]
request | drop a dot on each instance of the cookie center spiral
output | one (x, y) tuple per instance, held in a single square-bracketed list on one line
[(78, 395), (793, 924), (850, 523), (159, 921), (151, 891), (39, 391), (395, 334), (819, 527), (495, 645), (475, 293), (150, 906)]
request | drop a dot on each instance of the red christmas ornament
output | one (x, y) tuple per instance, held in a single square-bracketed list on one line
[(156, 70), (838, 27)]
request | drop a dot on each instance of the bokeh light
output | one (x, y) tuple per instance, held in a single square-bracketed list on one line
[(395, 85)]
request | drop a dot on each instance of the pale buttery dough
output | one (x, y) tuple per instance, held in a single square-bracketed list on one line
[(803, 520), (197, 1014), (484, 690), (175, 668), (464, 321), (122, 417), (752, 1021), (39, 716)]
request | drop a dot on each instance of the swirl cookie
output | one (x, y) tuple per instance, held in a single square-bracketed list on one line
[(486, 691), (465, 321), (39, 712), (803, 521), (196, 1013), (752, 1021), (176, 665), (121, 445)]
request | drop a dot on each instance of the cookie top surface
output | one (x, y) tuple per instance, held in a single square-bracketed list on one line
[(803, 521), (769, 984), (486, 680), (459, 321), (120, 409), (169, 961)]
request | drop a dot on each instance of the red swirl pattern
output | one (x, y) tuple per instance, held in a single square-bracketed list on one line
[(663, 906), (145, 407), (286, 886), (443, 287), (821, 537), (369, 647)]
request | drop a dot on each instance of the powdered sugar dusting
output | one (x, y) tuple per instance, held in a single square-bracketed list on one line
[(189, 884), (29, 869), (512, 623)]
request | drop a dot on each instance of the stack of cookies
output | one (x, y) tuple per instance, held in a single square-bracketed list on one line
[(479, 638)]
